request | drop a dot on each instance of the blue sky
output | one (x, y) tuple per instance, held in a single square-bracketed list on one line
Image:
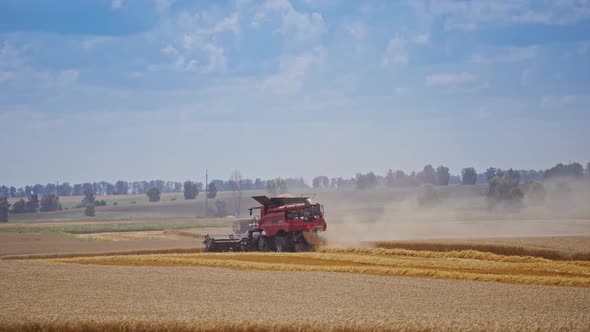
[(107, 90)]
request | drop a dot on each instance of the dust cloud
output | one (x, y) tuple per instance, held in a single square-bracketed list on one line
[(357, 218)]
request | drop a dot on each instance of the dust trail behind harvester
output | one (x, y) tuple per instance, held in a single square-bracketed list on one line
[(455, 212)]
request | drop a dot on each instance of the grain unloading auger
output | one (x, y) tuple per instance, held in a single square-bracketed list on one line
[(285, 224)]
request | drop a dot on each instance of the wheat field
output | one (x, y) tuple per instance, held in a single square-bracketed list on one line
[(460, 265)]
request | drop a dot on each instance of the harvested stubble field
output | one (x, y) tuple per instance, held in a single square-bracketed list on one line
[(78, 297), (461, 265)]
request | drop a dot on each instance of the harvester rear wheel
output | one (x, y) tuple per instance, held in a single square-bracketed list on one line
[(280, 243), (302, 247), (264, 243)]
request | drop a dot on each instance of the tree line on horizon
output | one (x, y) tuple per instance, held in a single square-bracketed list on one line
[(439, 176), (503, 186)]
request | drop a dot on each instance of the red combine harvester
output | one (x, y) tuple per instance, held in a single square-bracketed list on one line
[(281, 227)]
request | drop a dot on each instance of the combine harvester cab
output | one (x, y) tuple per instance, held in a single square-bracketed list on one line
[(285, 224)]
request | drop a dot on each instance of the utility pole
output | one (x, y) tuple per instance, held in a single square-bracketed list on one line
[(206, 192)]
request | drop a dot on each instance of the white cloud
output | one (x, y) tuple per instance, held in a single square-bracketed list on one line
[(583, 47), (507, 55), (67, 77), (163, 5), (526, 76), (169, 50), (91, 43), (422, 39), (357, 29), (193, 42), (135, 74), (10, 57), (229, 23), (448, 79), (396, 52), (116, 4), (452, 25), (296, 26), (217, 59), (179, 61), (6, 75), (558, 101), (399, 91), (468, 15), (292, 72)]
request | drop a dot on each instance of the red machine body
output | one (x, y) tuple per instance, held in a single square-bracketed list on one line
[(289, 214), (281, 226)]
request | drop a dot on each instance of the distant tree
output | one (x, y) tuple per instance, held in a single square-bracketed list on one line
[(588, 169), (428, 196), (153, 194), (258, 184), (221, 208), (315, 182), (50, 188), (38, 189), (296, 183), (89, 211), (513, 174), (468, 176), (77, 190), (32, 205), (271, 187), (536, 193), (191, 190), (236, 181), (390, 179), (19, 206), (212, 192), (443, 176), (28, 191), (108, 188), (428, 175), (100, 202), (4, 192), (178, 187), (88, 203), (89, 198), (4, 208), (50, 203), (561, 170), (65, 189), (490, 174), (20, 192), (121, 187), (366, 181), (12, 191), (88, 187), (504, 191), (320, 182), (282, 187)]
